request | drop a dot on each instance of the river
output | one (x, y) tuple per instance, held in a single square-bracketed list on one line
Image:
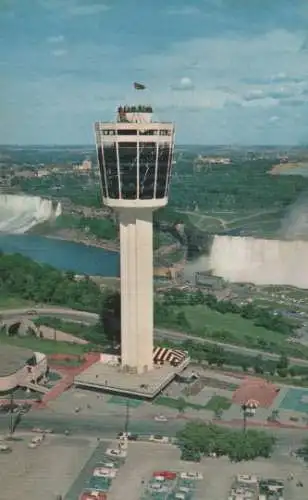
[(66, 255)]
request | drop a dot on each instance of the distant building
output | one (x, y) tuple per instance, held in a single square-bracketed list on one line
[(213, 160), (43, 172), (86, 166), (207, 280)]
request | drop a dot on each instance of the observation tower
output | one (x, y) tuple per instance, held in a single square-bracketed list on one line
[(135, 160)]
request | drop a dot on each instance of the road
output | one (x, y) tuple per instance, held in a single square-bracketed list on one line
[(107, 426), (175, 336)]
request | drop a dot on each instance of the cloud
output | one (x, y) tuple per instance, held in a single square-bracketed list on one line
[(74, 7), (183, 11), (55, 39), (281, 93), (273, 119), (184, 84), (254, 95), (59, 52), (88, 10), (276, 93), (293, 103)]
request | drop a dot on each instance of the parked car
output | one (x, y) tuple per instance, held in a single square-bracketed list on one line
[(127, 435), (116, 453), (160, 418), (191, 475), (4, 448), (157, 438), (42, 431)]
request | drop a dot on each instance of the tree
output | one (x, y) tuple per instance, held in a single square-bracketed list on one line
[(181, 404), (200, 439), (182, 320), (258, 364), (110, 316), (216, 356)]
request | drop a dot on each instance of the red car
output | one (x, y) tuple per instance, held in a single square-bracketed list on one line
[(166, 474)]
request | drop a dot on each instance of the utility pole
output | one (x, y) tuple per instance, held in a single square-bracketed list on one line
[(11, 414), (127, 415), (244, 410)]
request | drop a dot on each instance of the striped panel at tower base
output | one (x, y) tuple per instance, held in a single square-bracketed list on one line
[(174, 357)]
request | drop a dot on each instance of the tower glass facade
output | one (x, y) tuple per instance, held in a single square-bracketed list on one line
[(134, 164)]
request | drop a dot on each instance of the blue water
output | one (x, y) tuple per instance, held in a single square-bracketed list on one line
[(62, 254)]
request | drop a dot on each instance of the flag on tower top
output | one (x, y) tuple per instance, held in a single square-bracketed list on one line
[(139, 86)]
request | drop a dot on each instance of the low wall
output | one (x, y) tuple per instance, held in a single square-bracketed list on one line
[(25, 374)]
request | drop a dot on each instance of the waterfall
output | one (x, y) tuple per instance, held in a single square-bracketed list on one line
[(259, 261), (19, 213)]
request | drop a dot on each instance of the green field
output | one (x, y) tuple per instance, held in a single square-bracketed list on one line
[(258, 223), (201, 317), (233, 329), (43, 345), (214, 404), (217, 403), (14, 303)]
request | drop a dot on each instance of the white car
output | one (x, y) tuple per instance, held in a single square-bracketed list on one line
[(116, 453), (160, 418), (42, 431), (4, 448), (38, 439), (104, 472), (33, 445), (108, 465), (191, 475), (156, 438)]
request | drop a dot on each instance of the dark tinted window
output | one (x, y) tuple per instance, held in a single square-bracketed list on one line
[(162, 170), (101, 168), (147, 160), (127, 132), (148, 132), (110, 157), (128, 169)]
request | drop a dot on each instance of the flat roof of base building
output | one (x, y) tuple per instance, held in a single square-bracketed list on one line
[(13, 358)]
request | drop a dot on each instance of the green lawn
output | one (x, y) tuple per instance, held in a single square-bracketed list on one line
[(217, 403), (14, 303), (201, 317), (233, 329), (173, 403), (43, 345)]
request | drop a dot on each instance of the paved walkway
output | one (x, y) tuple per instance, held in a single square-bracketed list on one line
[(68, 378)]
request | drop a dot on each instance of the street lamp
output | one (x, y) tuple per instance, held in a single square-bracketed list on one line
[(249, 410)]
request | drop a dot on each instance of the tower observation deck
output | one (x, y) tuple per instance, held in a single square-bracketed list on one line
[(135, 160)]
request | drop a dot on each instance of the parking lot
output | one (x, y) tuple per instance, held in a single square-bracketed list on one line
[(217, 474), (45, 471)]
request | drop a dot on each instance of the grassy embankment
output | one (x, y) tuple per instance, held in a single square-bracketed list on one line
[(261, 223), (233, 329)]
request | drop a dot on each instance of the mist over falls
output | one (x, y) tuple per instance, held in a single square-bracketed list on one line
[(20, 213)]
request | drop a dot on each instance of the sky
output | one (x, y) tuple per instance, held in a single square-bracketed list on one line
[(225, 71)]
